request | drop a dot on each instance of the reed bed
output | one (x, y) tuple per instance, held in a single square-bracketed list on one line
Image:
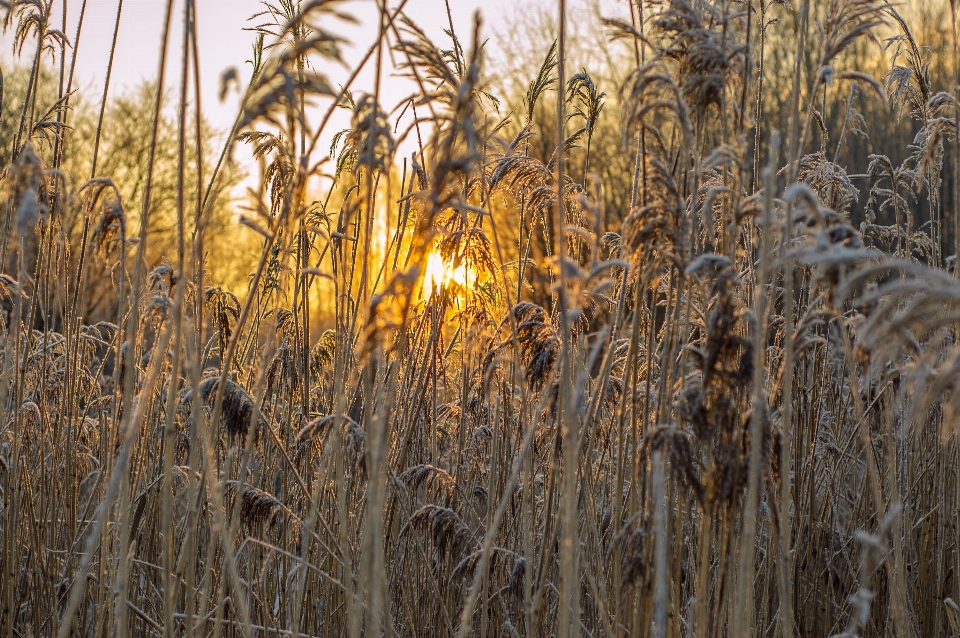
[(462, 393)]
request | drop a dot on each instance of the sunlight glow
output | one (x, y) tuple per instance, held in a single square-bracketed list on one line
[(441, 274)]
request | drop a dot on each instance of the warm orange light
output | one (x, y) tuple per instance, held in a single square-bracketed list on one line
[(441, 274)]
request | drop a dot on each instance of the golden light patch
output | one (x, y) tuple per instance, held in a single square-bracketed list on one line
[(440, 274)]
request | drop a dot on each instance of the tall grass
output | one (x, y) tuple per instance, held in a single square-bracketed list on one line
[(727, 410)]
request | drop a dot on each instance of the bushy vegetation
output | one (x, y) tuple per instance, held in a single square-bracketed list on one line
[(665, 348)]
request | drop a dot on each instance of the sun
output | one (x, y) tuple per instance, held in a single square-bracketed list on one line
[(440, 274)]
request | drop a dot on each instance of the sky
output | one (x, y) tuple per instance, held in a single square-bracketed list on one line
[(224, 43)]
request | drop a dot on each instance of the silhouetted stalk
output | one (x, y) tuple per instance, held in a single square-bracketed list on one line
[(59, 143), (129, 425), (743, 620), (793, 157), (167, 521), (567, 421), (956, 153), (661, 543)]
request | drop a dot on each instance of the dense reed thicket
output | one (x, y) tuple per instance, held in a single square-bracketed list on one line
[(499, 387)]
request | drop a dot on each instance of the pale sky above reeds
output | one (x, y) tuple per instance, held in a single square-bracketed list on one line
[(224, 43)]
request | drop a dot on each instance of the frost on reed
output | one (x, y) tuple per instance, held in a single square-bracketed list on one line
[(673, 357)]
